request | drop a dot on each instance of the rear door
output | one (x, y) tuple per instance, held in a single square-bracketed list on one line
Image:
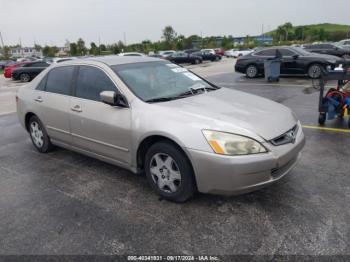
[(52, 101), (97, 127), (263, 55)]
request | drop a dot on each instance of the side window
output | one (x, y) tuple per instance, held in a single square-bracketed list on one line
[(59, 80), (91, 82), (267, 52), (42, 84), (286, 52)]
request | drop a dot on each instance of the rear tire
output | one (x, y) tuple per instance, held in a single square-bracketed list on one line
[(252, 71), (196, 61), (24, 77), (169, 172), (38, 135)]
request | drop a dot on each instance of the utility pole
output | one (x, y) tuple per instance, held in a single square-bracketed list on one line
[(99, 45), (202, 39), (2, 41)]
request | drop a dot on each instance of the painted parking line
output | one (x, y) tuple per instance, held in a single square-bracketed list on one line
[(330, 129)]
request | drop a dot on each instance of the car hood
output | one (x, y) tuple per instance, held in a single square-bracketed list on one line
[(229, 110)]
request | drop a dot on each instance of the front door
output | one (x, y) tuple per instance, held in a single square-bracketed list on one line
[(289, 63), (96, 126)]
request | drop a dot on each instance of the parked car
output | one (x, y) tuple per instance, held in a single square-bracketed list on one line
[(328, 49), (149, 115), (242, 52), (182, 57), (131, 54), (208, 55), (220, 51), (230, 52), (27, 59), (8, 69), (295, 60), (28, 71), (344, 44), (190, 51), (167, 53), (5, 63)]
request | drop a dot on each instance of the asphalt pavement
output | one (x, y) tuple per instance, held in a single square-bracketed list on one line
[(67, 203)]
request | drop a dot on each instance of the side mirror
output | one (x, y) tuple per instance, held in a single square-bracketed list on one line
[(114, 99), (295, 56)]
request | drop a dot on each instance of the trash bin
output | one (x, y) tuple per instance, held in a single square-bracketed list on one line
[(272, 70)]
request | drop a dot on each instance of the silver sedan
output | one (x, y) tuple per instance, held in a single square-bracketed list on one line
[(149, 115)]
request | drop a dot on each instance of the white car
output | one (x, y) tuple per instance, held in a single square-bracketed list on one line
[(230, 52), (244, 52), (131, 54), (166, 53), (344, 44), (211, 51)]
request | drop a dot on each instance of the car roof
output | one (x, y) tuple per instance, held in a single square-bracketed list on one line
[(117, 60)]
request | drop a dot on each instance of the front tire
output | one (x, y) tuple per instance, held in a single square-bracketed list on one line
[(169, 172), (24, 77), (38, 135), (252, 71), (315, 71)]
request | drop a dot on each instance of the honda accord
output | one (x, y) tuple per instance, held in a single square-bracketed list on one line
[(154, 117)]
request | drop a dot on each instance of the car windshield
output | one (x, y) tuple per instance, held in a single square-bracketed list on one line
[(161, 81)]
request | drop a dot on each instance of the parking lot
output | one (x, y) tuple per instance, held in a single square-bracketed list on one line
[(67, 203)]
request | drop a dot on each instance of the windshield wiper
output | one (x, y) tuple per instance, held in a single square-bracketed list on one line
[(192, 91), (160, 99)]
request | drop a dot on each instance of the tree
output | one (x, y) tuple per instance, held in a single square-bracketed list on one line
[(94, 50), (50, 51), (169, 36), (81, 47), (37, 47), (73, 49)]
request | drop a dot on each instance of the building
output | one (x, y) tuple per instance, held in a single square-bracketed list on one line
[(260, 40), (25, 52)]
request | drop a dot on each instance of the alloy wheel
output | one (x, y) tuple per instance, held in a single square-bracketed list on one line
[(315, 71), (252, 71), (25, 77)]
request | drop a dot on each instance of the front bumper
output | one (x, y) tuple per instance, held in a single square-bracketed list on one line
[(233, 175)]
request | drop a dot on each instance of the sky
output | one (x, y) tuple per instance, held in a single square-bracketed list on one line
[(52, 22)]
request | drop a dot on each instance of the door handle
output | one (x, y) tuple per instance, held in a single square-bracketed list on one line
[(39, 99), (76, 108)]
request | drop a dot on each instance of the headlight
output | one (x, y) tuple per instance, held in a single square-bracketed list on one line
[(229, 144)]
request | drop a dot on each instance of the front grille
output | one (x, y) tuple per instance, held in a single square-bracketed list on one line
[(286, 138)]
